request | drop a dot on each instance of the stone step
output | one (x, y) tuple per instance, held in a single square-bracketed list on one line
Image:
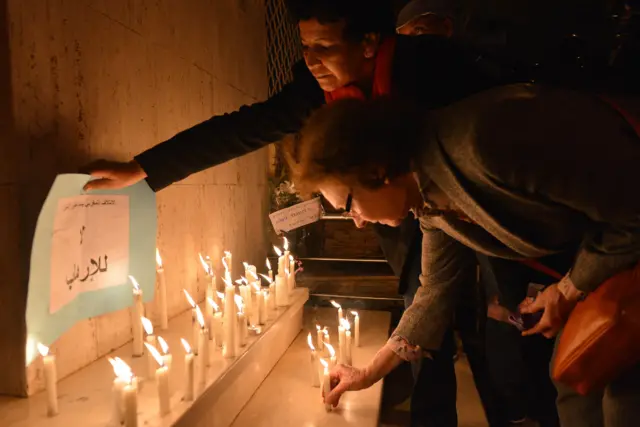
[(287, 399), (85, 398)]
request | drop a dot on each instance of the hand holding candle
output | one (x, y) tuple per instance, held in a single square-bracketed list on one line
[(326, 383), (51, 379), (162, 377), (189, 387)]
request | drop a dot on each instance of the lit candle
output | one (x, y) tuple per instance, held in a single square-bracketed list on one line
[(162, 309), (332, 355), (286, 254), (341, 343), (348, 359), (129, 397), (194, 322), (211, 288), (257, 319), (272, 295), (203, 345), (326, 382), (215, 328), (270, 271), (123, 377), (282, 292), (242, 322), (315, 381), (162, 377), (319, 336), (228, 261), (230, 319), (221, 299), (189, 385), (356, 328), (280, 261), (137, 311), (263, 301), (151, 340), (50, 379), (327, 337), (292, 273), (247, 301), (339, 307), (166, 356)]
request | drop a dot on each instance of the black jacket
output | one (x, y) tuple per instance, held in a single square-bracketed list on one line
[(430, 70)]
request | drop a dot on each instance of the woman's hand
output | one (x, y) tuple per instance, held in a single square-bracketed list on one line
[(113, 175), (557, 306), (348, 378)]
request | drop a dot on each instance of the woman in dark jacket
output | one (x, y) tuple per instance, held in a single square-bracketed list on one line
[(515, 172)]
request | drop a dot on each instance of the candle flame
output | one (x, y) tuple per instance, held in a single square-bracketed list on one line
[(224, 263), (220, 295), (324, 363), (205, 265), (163, 345), (227, 279), (255, 276), (156, 355), (318, 327), (200, 317), (332, 351), (310, 342), (325, 331), (186, 345), (136, 285), (347, 325), (158, 258), (268, 264), (278, 251), (290, 257), (256, 286), (355, 313), (286, 244), (189, 299), (43, 349), (335, 304), (227, 254), (246, 265), (267, 278), (147, 325), (213, 304), (121, 369)]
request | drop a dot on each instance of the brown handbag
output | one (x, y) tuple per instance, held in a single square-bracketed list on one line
[(601, 339)]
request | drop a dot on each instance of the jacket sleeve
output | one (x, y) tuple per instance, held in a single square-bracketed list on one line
[(225, 137), (446, 265)]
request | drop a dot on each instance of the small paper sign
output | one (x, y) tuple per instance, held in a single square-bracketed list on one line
[(296, 216)]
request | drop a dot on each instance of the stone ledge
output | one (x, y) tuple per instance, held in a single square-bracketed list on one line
[(85, 397)]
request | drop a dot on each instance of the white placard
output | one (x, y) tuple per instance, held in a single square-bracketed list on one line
[(89, 247), (296, 216)]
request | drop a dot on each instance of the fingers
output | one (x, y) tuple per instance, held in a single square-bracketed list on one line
[(529, 306), (333, 398), (101, 184), (547, 326)]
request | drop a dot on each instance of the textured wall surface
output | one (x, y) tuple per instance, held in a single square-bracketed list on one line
[(88, 79)]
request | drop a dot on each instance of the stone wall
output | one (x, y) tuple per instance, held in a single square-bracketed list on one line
[(88, 79)]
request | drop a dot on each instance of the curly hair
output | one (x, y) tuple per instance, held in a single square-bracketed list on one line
[(361, 16), (356, 142)]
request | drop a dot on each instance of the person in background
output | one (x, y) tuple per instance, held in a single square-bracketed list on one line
[(517, 172), (420, 17), (350, 50)]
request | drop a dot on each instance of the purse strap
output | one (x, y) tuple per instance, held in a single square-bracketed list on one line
[(538, 266)]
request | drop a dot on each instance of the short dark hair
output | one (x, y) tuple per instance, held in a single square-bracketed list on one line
[(356, 142), (360, 16)]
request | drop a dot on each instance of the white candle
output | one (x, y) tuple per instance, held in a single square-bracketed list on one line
[(286, 254), (137, 311), (162, 309), (327, 339), (270, 275), (282, 293), (195, 328), (50, 379), (315, 380), (257, 306), (123, 377), (189, 385), (150, 340), (280, 271), (341, 344), (263, 300), (347, 343), (339, 307), (319, 336), (203, 342), (356, 328), (228, 261), (229, 323), (166, 356), (162, 377), (130, 399), (243, 332), (215, 323), (272, 295), (332, 355), (326, 382)]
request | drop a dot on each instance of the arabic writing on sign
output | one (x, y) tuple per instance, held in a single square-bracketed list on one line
[(90, 247)]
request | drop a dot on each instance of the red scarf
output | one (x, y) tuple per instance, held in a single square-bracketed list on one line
[(381, 76)]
